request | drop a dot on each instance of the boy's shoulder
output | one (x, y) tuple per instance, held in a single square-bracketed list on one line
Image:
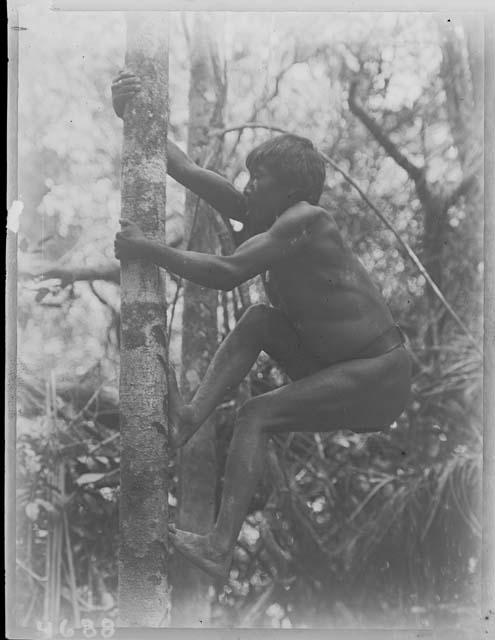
[(302, 216)]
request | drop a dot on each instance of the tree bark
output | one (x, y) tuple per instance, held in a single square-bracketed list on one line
[(143, 558), (197, 460), (461, 73)]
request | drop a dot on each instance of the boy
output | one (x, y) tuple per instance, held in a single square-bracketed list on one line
[(329, 328)]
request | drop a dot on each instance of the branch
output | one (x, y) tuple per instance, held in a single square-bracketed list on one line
[(270, 95), (102, 299), (109, 272), (228, 246), (30, 572), (247, 125), (281, 556), (68, 275), (465, 185), (257, 608), (414, 172), (265, 100), (110, 479), (173, 307)]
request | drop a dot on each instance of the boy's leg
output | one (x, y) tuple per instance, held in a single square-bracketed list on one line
[(363, 395), (243, 470), (261, 328)]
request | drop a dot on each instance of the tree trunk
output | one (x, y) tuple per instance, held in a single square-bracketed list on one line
[(462, 75), (197, 461), (462, 78), (143, 559)]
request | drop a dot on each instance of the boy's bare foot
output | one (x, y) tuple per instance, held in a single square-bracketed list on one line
[(200, 551), (181, 424)]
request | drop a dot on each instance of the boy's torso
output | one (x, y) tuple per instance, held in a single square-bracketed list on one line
[(329, 297)]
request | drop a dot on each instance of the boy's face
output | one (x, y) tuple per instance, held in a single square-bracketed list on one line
[(266, 199)]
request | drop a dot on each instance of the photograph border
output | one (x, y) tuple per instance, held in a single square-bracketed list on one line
[(487, 622)]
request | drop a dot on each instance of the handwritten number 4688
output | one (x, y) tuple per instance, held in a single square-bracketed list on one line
[(89, 630)]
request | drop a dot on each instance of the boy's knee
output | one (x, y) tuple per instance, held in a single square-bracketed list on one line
[(256, 320), (253, 410), (256, 314)]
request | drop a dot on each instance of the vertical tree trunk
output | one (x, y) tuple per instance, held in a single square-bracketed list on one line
[(197, 462), (462, 78), (143, 560), (462, 75)]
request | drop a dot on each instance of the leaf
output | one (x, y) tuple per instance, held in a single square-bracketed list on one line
[(341, 440), (32, 511), (78, 530), (88, 478), (45, 239), (42, 293), (46, 505)]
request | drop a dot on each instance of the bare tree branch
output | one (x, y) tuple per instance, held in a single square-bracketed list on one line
[(269, 96), (110, 479), (102, 299), (247, 125), (464, 186), (252, 613), (414, 172), (67, 275)]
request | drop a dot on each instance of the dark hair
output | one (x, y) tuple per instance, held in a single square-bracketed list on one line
[(294, 161)]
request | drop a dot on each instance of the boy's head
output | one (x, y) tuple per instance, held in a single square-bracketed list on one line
[(294, 163)]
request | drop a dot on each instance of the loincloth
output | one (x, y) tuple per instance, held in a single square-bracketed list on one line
[(387, 341)]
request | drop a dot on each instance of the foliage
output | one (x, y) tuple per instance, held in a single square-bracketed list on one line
[(347, 529), (70, 428)]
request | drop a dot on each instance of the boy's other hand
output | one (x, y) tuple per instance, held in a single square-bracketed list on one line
[(124, 87), (128, 242)]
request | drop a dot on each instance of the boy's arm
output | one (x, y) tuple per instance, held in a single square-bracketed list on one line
[(255, 256), (215, 189)]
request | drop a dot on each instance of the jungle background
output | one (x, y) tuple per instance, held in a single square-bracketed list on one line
[(348, 530)]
